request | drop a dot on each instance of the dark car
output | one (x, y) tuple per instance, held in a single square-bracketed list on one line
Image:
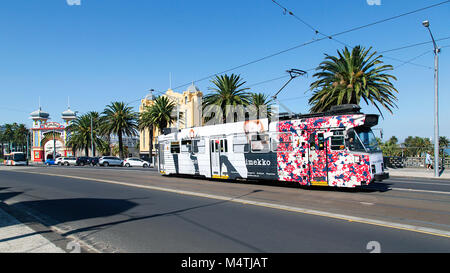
[(93, 161), (82, 160)]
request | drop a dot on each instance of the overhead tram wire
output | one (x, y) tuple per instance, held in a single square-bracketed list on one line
[(413, 45), (330, 37), (381, 52), (409, 61), (317, 40), (316, 31)]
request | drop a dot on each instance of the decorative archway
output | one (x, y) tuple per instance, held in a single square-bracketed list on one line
[(50, 144)]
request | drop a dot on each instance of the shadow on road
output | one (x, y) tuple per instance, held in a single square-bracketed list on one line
[(60, 211)]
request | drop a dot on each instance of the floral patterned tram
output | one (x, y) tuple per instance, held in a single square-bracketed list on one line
[(337, 148)]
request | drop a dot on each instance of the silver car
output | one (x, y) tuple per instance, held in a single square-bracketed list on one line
[(110, 161)]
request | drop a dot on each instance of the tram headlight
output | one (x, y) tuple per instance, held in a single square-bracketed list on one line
[(356, 159)]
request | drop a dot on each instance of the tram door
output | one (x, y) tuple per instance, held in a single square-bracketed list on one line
[(218, 155), (318, 159), (161, 150)]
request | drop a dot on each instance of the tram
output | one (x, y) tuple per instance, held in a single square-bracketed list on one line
[(335, 148)]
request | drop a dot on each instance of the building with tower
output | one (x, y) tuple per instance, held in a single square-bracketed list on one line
[(189, 106), (49, 138)]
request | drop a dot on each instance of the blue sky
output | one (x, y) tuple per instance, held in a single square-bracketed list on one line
[(116, 50)]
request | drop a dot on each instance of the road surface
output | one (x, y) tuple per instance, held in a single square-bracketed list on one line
[(135, 210)]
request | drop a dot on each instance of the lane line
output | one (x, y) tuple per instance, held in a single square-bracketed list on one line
[(418, 229), (425, 183), (413, 190)]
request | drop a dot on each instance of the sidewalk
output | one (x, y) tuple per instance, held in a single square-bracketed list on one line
[(17, 237), (416, 172)]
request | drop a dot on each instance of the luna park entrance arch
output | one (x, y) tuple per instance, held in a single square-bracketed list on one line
[(53, 146)]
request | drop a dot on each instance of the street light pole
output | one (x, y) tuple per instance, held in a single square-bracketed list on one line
[(92, 140), (436, 101)]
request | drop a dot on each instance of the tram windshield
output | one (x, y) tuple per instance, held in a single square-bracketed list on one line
[(362, 139)]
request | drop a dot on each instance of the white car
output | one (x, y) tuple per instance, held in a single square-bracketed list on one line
[(135, 162), (66, 161), (58, 161), (110, 161)]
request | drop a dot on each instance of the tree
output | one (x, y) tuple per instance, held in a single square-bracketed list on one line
[(261, 102), (80, 132), (443, 141), (161, 112), (119, 119), (227, 91), (417, 146), (146, 121), (2, 141), (350, 77), (116, 150), (8, 134), (391, 147), (20, 136)]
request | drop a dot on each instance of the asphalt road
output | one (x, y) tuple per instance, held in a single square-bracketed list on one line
[(122, 218)]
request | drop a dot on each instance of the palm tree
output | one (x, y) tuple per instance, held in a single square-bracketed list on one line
[(443, 141), (228, 91), (160, 113), (146, 121), (391, 147), (8, 134), (80, 132), (261, 102), (119, 119), (350, 77), (20, 135)]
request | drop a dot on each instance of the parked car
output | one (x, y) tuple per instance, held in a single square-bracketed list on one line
[(66, 161), (135, 162), (82, 160), (49, 162), (93, 161), (58, 161), (110, 161)]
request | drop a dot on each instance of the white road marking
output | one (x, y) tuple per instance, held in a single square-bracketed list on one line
[(413, 190)]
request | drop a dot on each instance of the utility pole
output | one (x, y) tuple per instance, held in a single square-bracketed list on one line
[(436, 101), (27, 154), (54, 144), (92, 140)]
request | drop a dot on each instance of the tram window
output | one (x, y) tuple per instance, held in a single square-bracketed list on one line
[(225, 146), (240, 143), (337, 141), (241, 148), (175, 147), (312, 140), (260, 143), (216, 146), (353, 142), (186, 146), (222, 149), (198, 146)]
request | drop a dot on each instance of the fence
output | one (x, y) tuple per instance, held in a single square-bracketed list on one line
[(412, 162)]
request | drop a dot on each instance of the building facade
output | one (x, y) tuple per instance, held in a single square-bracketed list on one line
[(189, 105), (48, 139)]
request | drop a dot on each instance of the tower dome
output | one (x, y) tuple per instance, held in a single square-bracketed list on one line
[(68, 114), (39, 114)]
